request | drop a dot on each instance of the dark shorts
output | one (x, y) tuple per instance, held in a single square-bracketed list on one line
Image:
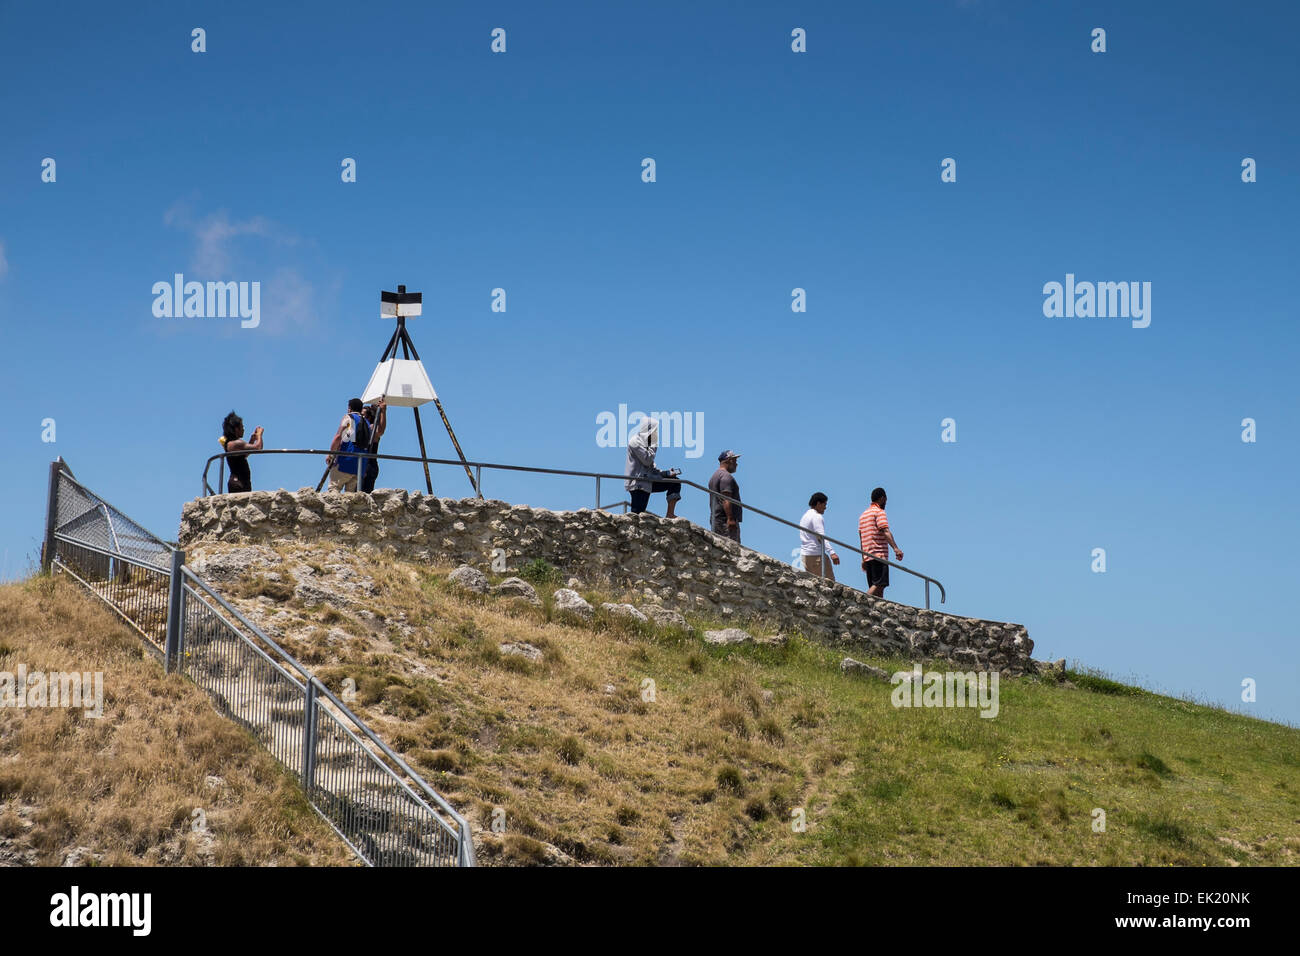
[(720, 527), (369, 474), (877, 573), (641, 499)]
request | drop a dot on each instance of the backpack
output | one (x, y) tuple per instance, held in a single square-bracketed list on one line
[(360, 435), (362, 441)]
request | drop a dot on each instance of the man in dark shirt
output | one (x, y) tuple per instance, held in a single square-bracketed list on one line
[(725, 515)]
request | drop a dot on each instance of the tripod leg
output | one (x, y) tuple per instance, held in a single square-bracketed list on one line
[(408, 344), (469, 474), (419, 431)]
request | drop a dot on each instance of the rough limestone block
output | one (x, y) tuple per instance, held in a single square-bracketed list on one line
[(850, 666), (517, 588), (664, 616), (730, 635), (624, 610), (470, 579), (569, 601)]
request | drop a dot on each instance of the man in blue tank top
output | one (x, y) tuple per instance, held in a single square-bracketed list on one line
[(353, 434)]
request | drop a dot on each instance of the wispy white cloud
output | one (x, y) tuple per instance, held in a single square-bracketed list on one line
[(227, 249), (213, 233)]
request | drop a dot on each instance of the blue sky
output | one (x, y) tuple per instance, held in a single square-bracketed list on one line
[(774, 171)]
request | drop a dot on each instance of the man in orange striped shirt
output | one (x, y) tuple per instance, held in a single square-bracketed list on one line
[(877, 539)]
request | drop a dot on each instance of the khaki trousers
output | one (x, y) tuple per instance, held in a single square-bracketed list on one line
[(342, 481), (820, 565)]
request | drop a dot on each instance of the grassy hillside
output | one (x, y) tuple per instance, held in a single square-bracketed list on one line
[(578, 766), (123, 789)]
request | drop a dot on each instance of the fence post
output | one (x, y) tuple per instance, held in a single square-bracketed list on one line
[(51, 515), (309, 738), (175, 613)]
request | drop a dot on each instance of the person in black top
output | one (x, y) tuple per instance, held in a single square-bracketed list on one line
[(724, 515), (377, 416), (232, 439)]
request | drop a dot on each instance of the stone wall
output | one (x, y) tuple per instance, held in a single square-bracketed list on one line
[(675, 563)]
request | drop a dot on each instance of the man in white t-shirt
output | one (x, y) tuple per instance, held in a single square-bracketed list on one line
[(818, 556)]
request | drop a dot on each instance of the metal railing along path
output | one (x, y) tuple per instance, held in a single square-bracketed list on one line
[(306, 727), (135, 592), (381, 808), (478, 466)]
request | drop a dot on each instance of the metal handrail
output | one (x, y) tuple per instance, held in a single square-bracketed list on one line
[(117, 556), (479, 465)]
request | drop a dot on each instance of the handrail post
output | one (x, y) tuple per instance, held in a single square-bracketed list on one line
[(478, 480), (927, 594), (309, 737), (175, 612), (51, 515), (466, 845), (598, 493)]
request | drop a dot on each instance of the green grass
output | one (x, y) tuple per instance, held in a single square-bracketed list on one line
[(1179, 783), (541, 573)]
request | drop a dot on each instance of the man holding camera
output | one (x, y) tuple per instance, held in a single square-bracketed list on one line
[(643, 478)]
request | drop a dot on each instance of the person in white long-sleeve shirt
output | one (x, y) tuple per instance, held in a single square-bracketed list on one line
[(643, 478), (818, 555)]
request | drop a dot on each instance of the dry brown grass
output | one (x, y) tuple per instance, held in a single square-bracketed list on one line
[(125, 786), (601, 775)]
